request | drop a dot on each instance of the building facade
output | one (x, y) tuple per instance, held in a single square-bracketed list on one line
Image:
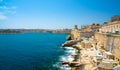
[(110, 27)]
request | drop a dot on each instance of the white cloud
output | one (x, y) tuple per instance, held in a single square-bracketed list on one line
[(11, 12), (13, 7), (3, 7), (1, 0), (6, 8), (2, 17)]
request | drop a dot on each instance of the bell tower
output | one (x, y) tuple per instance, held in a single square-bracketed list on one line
[(76, 27)]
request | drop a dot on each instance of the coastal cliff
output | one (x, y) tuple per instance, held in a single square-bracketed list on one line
[(96, 48)]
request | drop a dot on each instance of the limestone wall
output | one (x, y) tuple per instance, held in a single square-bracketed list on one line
[(107, 41), (116, 48), (102, 40)]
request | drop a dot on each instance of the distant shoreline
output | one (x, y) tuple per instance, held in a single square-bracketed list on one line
[(20, 31), (33, 32)]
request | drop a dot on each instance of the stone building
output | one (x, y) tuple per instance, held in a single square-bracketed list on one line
[(115, 18), (90, 28), (88, 31), (112, 26)]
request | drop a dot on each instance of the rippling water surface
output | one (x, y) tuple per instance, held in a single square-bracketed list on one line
[(30, 51)]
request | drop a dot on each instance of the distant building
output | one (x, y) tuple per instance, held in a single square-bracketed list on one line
[(76, 27)]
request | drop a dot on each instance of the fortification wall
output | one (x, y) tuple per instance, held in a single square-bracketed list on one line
[(109, 42), (75, 34)]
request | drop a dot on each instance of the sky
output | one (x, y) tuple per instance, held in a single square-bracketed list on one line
[(55, 14)]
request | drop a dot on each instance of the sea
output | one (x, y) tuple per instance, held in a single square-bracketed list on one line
[(31, 51)]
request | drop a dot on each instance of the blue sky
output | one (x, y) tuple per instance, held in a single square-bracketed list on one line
[(55, 14)]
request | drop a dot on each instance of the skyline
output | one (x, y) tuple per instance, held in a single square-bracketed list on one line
[(55, 14)]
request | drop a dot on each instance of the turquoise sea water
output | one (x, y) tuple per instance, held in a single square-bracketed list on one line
[(30, 51)]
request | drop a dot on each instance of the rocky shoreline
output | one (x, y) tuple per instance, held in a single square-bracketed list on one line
[(78, 62), (87, 53)]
